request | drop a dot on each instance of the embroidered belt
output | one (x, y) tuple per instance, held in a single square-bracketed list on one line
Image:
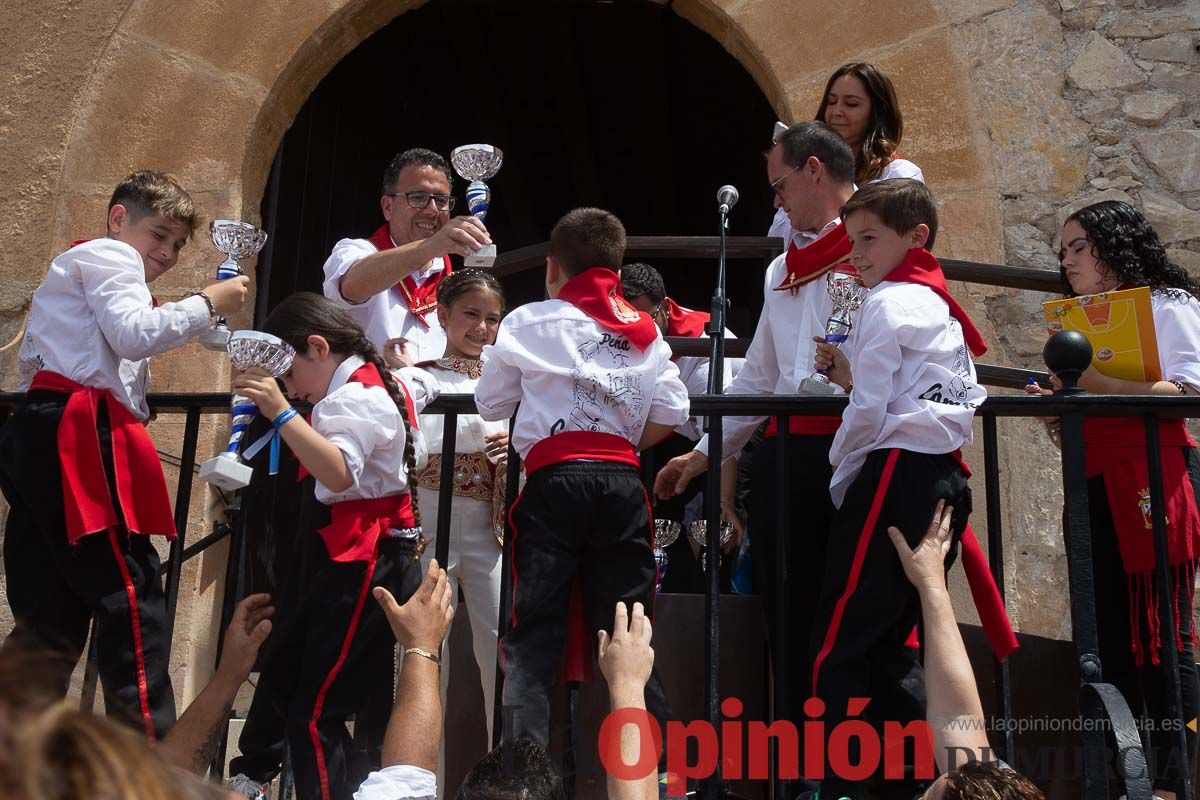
[(476, 477)]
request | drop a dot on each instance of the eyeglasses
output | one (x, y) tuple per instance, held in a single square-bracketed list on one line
[(775, 183), (422, 199)]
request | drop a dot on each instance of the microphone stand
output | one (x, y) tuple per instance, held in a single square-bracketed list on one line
[(711, 789)]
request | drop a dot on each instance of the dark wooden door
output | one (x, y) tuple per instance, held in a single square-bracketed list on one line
[(623, 105)]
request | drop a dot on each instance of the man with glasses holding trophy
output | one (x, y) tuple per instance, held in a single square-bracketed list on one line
[(389, 280)]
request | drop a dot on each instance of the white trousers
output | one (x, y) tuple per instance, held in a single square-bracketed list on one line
[(474, 565)]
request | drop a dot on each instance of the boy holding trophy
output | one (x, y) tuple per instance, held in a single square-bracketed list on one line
[(80, 473), (912, 399)]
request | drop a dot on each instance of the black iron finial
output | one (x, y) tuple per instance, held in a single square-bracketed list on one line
[(1068, 354)]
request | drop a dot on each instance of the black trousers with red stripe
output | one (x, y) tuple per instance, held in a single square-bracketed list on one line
[(319, 670), (590, 519), (868, 608), (54, 588)]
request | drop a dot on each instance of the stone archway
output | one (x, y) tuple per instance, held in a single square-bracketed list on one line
[(208, 89)]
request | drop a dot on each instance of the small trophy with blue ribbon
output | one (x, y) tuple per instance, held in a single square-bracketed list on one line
[(248, 349), (478, 163), (847, 292), (237, 240)]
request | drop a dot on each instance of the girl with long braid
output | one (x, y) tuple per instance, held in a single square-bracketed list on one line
[(360, 449)]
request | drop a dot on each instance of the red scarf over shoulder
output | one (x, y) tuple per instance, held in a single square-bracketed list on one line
[(684, 321), (597, 293), (1115, 450), (806, 264), (420, 299), (919, 266)]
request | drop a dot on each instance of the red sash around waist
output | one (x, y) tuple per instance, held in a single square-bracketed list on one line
[(358, 524), (137, 473), (575, 445)]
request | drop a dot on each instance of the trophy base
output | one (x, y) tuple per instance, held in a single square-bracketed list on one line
[(486, 257), (216, 338), (814, 385), (226, 473)]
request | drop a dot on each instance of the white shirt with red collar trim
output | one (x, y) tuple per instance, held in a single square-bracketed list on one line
[(914, 381), (782, 351), (385, 315), (365, 424), (570, 374), (92, 320)]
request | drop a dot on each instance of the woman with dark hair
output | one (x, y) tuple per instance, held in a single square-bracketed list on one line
[(860, 105), (1105, 247)]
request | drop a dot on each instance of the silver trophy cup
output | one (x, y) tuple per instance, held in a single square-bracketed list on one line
[(847, 293), (246, 349), (699, 534), (477, 163), (666, 531), (237, 240)]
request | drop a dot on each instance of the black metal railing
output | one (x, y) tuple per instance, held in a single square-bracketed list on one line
[(1097, 699)]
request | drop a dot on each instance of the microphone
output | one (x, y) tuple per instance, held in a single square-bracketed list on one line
[(727, 196)]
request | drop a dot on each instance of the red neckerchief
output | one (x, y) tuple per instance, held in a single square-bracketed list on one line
[(683, 321), (805, 264), (420, 299), (920, 267), (597, 293), (141, 487)]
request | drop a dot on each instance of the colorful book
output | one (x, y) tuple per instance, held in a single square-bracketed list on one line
[(1120, 326)]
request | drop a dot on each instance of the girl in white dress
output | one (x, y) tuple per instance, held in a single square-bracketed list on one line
[(470, 304)]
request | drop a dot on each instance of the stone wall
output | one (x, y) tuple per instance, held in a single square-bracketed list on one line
[(1015, 109), (1120, 88)]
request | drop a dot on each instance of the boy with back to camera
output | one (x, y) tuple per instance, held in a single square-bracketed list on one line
[(596, 384)]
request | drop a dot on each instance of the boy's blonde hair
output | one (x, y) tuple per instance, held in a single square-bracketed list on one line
[(148, 192), (900, 203)]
